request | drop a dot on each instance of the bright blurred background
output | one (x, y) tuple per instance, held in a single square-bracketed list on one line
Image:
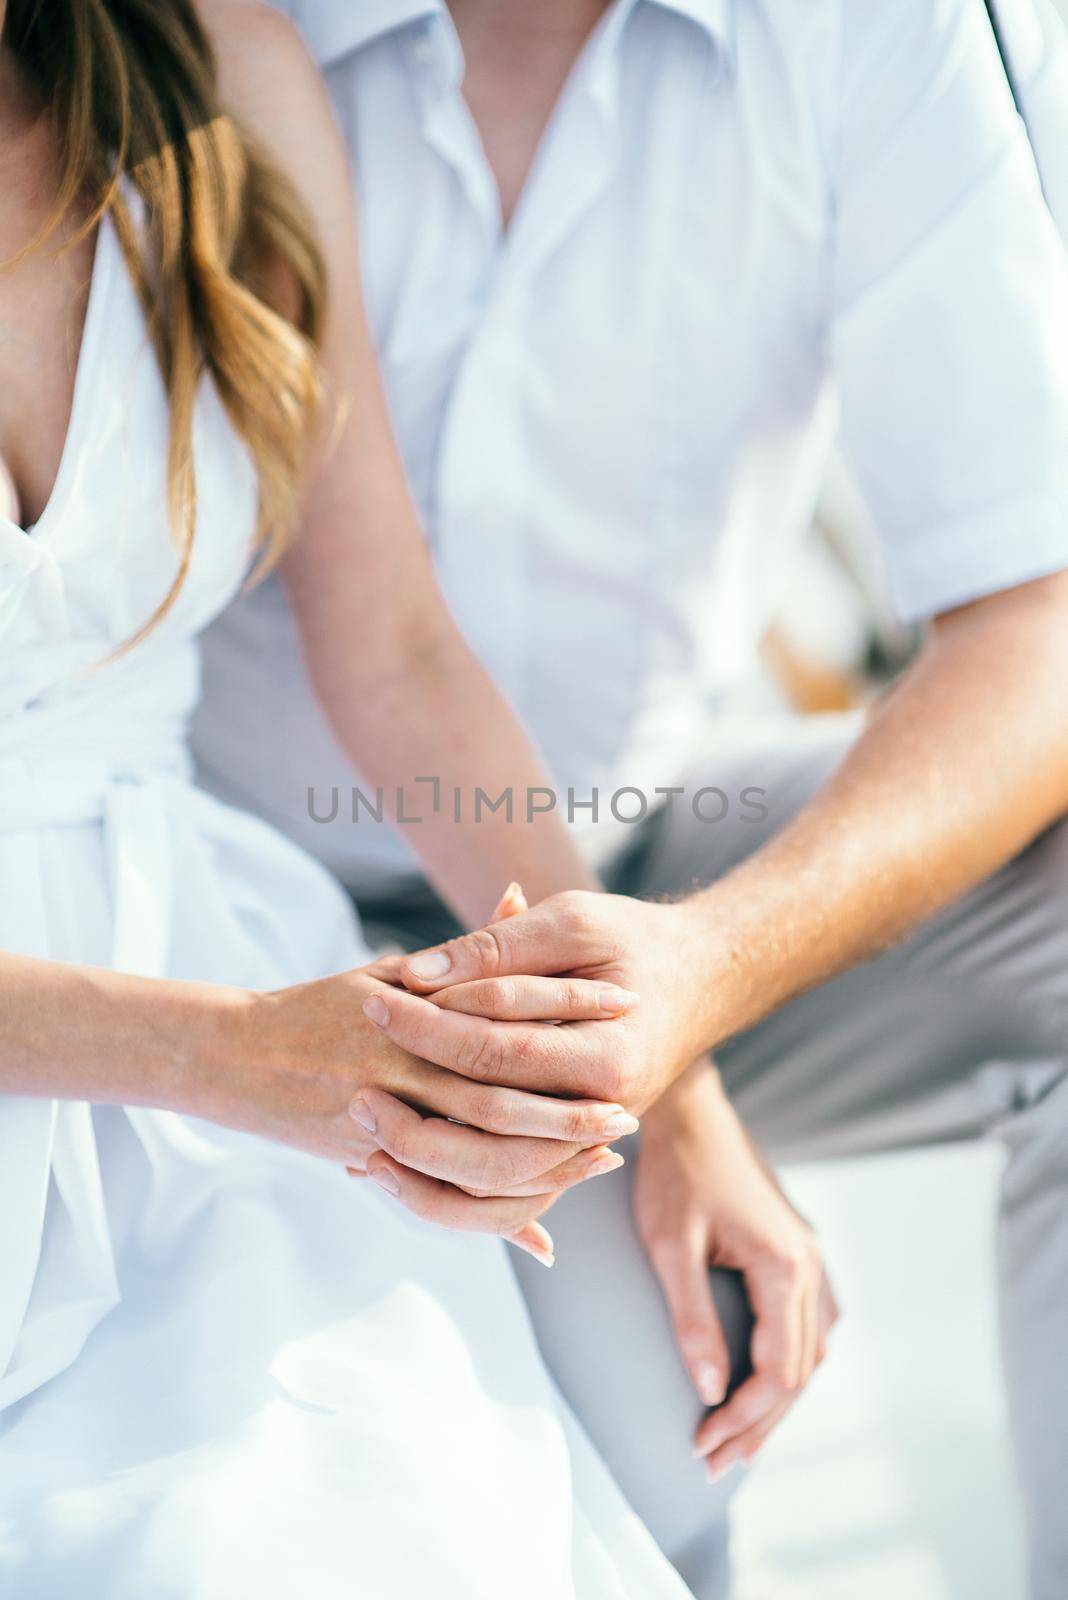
[(902, 1439)]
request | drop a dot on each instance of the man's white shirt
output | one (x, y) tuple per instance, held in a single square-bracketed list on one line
[(753, 227)]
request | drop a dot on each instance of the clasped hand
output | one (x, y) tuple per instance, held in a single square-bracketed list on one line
[(532, 1139), (470, 1046)]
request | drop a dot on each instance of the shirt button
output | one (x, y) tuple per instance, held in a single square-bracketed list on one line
[(422, 51)]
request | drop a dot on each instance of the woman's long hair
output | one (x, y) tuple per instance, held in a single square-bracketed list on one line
[(131, 86)]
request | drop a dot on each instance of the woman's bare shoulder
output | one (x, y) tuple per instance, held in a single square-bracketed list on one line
[(256, 22), (265, 71), (268, 79)]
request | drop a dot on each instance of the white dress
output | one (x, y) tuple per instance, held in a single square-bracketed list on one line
[(226, 1369)]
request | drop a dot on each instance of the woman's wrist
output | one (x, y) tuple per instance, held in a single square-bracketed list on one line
[(213, 1038), (173, 1046), (252, 1043), (85, 1033)]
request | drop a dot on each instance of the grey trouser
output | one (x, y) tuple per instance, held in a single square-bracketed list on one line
[(959, 1033)]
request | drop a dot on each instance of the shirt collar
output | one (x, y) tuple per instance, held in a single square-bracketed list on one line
[(334, 28), (716, 17)]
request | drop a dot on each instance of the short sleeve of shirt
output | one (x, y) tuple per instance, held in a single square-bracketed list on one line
[(1037, 41), (950, 334)]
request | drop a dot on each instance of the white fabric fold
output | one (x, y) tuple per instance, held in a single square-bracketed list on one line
[(47, 1143)]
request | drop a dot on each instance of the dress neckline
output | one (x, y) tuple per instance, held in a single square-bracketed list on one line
[(92, 328)]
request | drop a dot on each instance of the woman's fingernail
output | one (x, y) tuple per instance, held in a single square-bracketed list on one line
[(620, 1125), (611, 1161), (385, 1180), (361, 1111), (545, 1257), (376, 1009), (536, 1241), (512, 901), (710, 1385), (706, 1443), (615, 999), (434, 964)]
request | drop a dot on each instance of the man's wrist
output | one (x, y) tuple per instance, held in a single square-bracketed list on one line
[(696, 1093), (715, 977)]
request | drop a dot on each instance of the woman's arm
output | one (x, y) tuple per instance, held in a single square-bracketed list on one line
[(402, 690), (84, 1033), (305, 1066)]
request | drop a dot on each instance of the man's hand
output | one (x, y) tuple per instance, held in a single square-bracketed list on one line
[(874, 852), (704, 1197), (596, 939)]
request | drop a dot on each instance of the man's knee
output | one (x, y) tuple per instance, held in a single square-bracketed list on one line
[(1035, 958), (604, 1330)]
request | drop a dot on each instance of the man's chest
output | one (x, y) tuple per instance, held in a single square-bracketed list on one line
[(648, 333)]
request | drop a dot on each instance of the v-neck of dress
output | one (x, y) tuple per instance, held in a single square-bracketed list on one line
[(92, 330)]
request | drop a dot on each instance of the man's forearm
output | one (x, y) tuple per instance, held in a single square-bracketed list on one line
[(962, 764)]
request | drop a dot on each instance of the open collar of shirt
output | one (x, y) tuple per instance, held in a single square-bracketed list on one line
[(336, 28)]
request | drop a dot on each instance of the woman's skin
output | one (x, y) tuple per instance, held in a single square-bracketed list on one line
[(41, 304), (411, 699), (9, 500)]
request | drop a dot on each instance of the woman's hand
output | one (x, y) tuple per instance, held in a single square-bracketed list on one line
[(312, 1066), (704, 1197)]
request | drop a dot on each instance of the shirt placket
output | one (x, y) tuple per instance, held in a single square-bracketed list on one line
[(486, 480), (475, 451)]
